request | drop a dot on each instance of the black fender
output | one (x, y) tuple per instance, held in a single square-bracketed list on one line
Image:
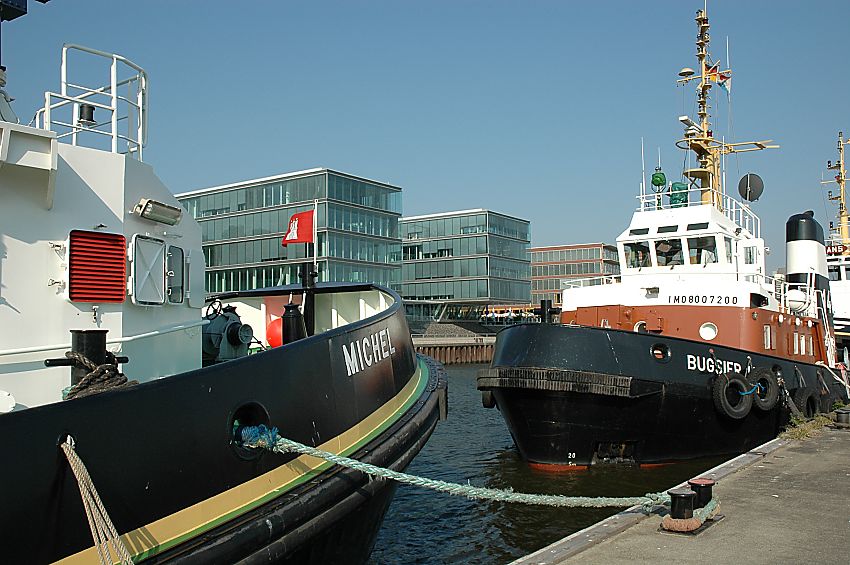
[(727, 392)]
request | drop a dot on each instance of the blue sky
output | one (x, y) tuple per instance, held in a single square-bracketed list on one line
[(534, 109)]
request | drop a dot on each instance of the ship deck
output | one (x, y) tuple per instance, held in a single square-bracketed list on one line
[(786, 501)]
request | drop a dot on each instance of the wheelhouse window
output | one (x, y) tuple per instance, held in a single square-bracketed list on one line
[(637, 254), (669, 252), (728, 242), (702, 250), (835, 272)]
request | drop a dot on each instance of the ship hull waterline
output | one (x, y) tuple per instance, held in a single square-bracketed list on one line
[(574, 396)]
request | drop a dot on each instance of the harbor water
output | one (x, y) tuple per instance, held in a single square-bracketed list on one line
[(474, 446)]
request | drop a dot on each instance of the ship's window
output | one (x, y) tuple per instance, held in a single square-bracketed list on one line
[(811, 345), (767, 336), (174, 274), (637, 254), (667, 229), (699, 226), (702, 250), (728, 242), (669, 252), (773, 338), (639, 231), (802, 344), (796, 340), (750, 254), (834, 273)]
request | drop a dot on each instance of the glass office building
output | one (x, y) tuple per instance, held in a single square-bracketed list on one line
[(454, 264), (243, 224), (555, 267)]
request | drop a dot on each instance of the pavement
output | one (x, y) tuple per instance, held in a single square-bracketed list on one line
[(787, 501)]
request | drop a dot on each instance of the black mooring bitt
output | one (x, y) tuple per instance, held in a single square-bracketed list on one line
[(682, 503), (91, 344), (702, 487)]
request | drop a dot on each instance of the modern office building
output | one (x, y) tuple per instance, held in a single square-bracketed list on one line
[(243, 224), (554, 267), (454, 264)]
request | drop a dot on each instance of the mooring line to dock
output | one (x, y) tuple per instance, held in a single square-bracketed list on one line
[(268, 438)]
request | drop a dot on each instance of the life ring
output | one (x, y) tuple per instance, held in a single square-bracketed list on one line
[(806, 401), (767, 395), (487, 399), (728, 392)]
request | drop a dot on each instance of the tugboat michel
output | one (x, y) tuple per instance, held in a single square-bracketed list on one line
[(694, 351), (102, 272)]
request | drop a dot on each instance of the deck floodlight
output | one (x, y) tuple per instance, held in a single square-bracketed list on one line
[(158, 212), (686, 72)]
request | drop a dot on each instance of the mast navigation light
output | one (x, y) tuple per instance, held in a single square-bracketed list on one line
[(86, 117), (686, 72)]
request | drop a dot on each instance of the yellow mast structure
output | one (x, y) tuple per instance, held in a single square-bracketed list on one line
[(699, 138), (842, 230)]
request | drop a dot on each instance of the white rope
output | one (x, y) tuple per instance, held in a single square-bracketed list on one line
[(103, 531)]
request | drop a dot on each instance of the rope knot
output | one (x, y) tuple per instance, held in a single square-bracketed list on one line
[(260, 436)]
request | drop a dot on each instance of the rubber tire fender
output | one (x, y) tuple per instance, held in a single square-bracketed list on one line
[(763, 376), (737, 383), (487, 399), (802, 398)]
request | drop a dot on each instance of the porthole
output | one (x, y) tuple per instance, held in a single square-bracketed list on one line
[(660, 352), (708, 331)]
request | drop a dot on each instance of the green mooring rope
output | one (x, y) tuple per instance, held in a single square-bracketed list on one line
[(269, 438)]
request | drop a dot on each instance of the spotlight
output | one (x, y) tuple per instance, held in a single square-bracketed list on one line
[(155, 211)]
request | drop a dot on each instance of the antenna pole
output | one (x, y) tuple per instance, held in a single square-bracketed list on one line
[(642, 170), (841, 178), (843, 229)]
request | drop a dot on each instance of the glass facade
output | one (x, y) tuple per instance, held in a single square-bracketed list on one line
[(555, 267), (243, 224), (475, 257)]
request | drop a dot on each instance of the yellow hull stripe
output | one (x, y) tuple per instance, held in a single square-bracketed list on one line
[(194, 520)]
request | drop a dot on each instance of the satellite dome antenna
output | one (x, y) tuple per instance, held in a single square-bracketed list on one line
[(750, 187)]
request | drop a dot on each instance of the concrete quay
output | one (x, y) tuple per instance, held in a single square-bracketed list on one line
[(787, 501)]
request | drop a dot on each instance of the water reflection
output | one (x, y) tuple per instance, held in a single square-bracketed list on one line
[(475, 446)]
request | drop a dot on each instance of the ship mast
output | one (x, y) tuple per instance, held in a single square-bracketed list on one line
[(843, 229), (699, 137)]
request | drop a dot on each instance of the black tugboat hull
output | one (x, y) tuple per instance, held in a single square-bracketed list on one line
[(576, 396), (162, 458)]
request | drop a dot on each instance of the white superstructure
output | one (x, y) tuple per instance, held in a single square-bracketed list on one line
[(90, 238)]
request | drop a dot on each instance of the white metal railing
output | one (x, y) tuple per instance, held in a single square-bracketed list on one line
[(132, 108), (736, 211), (590, 281)]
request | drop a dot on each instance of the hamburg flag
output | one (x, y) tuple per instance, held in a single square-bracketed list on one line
[(300, 228)]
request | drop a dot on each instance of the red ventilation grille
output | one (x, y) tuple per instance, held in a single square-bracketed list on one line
[(97, 267)]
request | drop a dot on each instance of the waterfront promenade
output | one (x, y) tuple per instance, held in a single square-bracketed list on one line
[(785, 502)]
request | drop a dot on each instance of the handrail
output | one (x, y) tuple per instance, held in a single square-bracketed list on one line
[(736, 211), (127, 339), (136, 109)]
